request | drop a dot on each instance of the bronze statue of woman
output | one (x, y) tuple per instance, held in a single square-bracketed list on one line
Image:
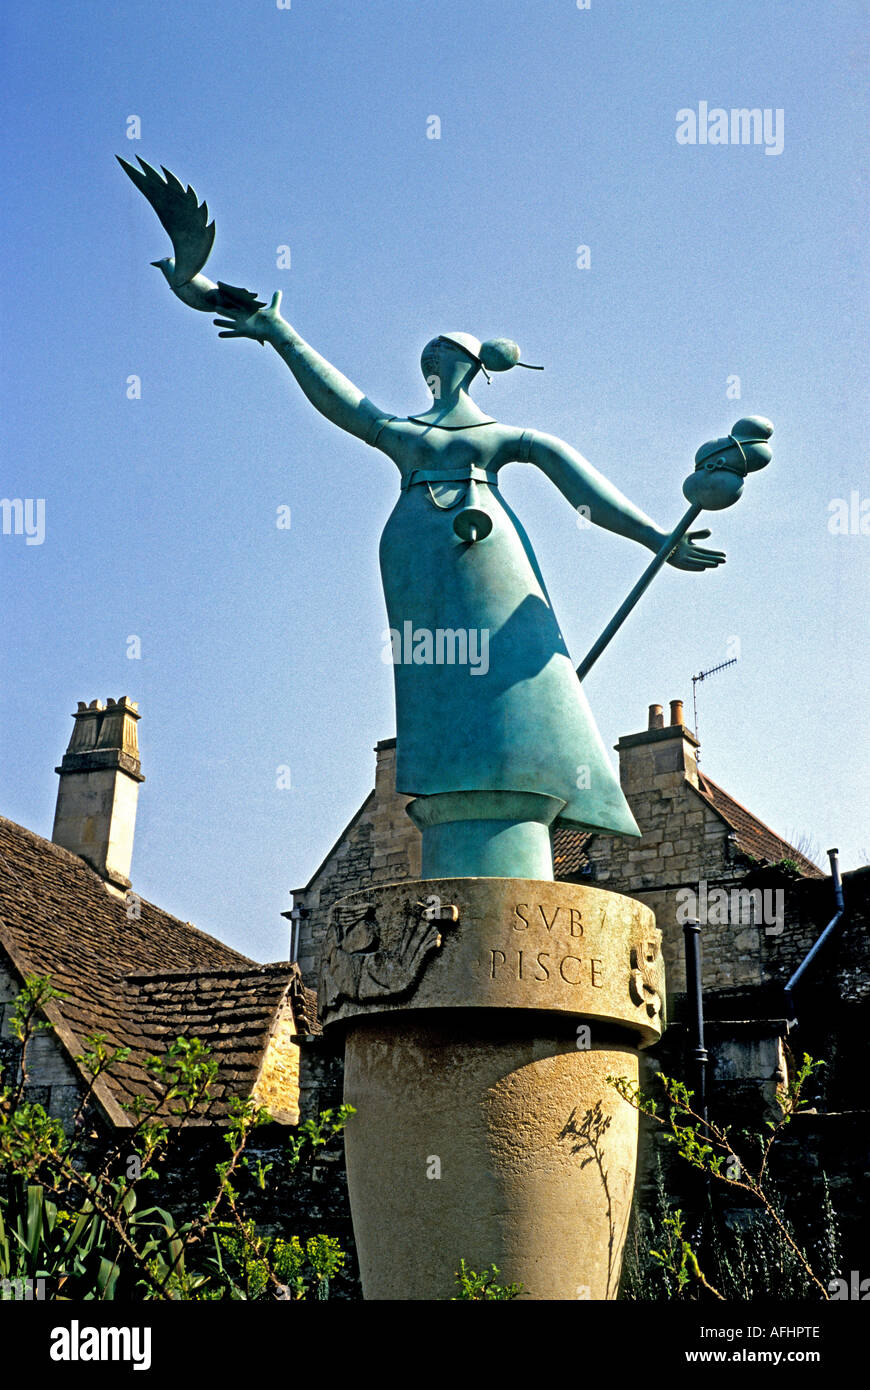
[(499, 745), (494, 737)]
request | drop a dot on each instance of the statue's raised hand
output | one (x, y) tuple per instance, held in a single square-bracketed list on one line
[(263, 326), (689, 556)]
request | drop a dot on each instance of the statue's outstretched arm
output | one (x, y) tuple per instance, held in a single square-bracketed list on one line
[(585, 487), (606, 506), (326, 388)]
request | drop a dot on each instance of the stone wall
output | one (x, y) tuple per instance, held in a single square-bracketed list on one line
[(277, 1086), (684, 841), (825, 1147), (53, 1082), (380, 845), (809, 906), (751, 1047)]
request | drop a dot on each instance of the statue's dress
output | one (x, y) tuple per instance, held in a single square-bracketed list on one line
[(513, 716)]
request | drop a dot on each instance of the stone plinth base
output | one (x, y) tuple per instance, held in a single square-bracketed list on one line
[(482, 1018), (495, 1144)]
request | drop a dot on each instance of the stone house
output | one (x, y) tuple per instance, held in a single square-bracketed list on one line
[(142, 978), (128, 969)]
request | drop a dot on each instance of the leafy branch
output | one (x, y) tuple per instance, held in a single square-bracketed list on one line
[(708, 1147), (483, 1286)]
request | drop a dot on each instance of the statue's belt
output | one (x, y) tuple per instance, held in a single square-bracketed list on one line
[(469, 474)]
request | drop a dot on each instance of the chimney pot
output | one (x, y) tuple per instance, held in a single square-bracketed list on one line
[(656, 718), (676, 712)]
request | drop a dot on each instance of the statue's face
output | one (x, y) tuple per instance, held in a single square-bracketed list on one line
[(430, 358), (446, 362)]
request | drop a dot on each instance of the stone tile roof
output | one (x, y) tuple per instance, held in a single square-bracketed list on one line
[(753, 836), (569, 851), (142, 982), (232, 1012)]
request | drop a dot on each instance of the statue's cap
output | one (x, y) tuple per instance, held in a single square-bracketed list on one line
[(495, 355), (466, 341)]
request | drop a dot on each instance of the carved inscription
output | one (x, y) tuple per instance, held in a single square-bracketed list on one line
[(524, 913), (557, 962), (496, 945), (541, 965), (527, 963)]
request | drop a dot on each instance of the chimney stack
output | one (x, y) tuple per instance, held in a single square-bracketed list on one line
[(99, 788), (659, 758)]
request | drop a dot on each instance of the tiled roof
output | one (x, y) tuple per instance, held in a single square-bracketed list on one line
[(142, 982), (753, 836), (569, 851), (230, 1011)]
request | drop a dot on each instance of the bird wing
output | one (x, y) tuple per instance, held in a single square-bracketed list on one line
[(236, 300), (182, 214)]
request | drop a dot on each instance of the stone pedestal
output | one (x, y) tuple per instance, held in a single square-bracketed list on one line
[(482, 1017)]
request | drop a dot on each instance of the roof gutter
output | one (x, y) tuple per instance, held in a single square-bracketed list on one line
[(826, 934)]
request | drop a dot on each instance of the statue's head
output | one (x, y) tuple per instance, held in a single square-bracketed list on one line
[(454, 359), (449, 361)]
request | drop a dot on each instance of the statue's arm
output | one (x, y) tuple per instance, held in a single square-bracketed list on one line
[(327, 389), (325, 386), (585, 487)]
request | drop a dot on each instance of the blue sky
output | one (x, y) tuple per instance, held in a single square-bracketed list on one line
[(307, 127)]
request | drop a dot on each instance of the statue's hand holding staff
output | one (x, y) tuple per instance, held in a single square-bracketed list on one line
[(689, 556)]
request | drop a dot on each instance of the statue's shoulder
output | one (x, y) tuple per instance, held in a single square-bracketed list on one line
[(515, 444), (383, 428), (399, 437)]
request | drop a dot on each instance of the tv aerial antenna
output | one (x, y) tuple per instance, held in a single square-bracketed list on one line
[(702, 676)]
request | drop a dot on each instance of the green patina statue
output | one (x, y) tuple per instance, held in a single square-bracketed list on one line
[(495, 740)]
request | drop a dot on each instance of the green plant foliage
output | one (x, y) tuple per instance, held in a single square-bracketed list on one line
[(484, 1286), (79, 1223), (753, 1252), (249, 1264)]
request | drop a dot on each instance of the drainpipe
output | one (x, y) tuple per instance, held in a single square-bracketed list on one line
[(695, 1001), (295, 917), (826, 934)]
